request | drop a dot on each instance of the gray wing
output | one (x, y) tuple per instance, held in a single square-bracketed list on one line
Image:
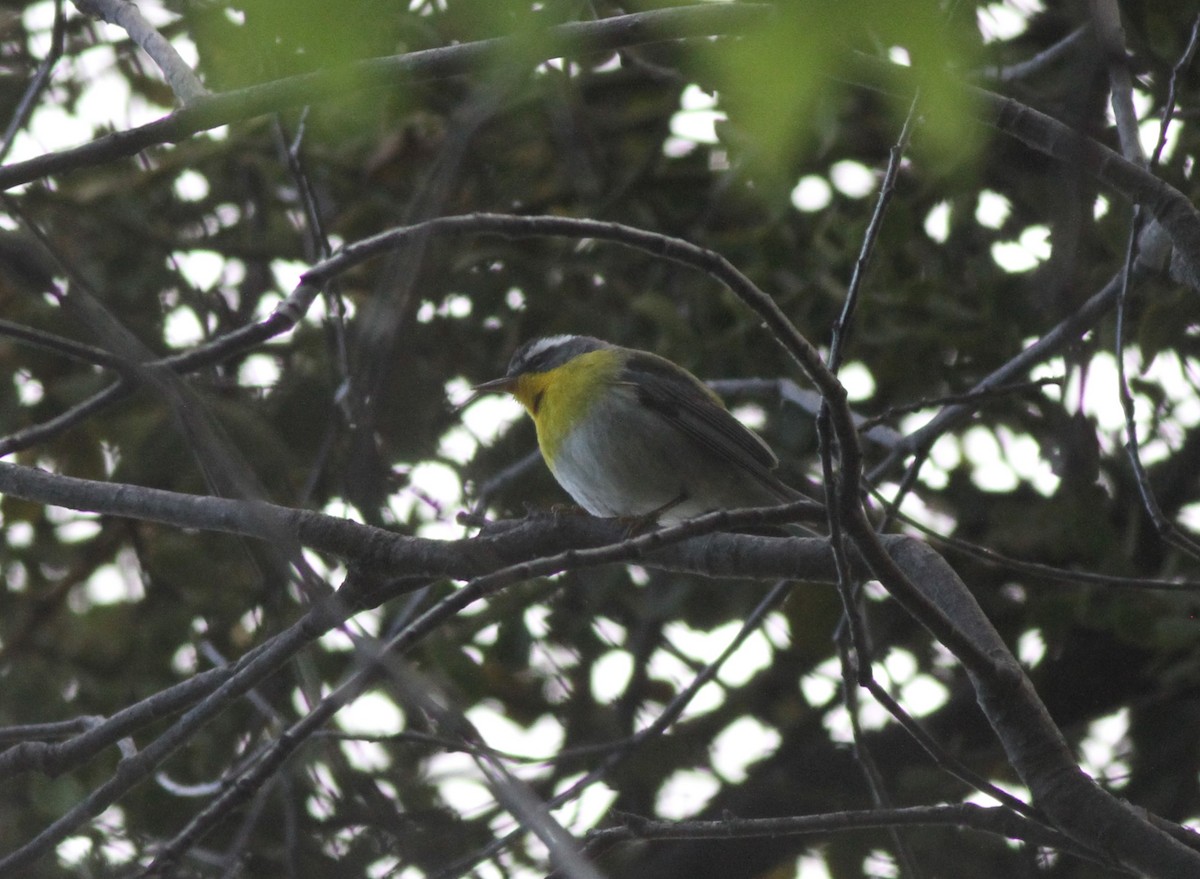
[(698, 413)]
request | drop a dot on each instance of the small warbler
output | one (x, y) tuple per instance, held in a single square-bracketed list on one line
[(628, 433)]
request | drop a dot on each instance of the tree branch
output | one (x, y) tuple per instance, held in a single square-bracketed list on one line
[(207, 112), (181, 79)]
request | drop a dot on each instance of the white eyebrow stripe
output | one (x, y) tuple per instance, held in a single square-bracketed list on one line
[(545, 344), (538, 347)]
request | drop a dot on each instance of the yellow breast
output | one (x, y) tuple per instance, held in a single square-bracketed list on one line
[(557, 399)]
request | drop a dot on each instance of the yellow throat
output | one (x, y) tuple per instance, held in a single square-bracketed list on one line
[(559, 398)]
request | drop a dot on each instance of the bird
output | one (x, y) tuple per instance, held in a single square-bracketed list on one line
[(629, 434)]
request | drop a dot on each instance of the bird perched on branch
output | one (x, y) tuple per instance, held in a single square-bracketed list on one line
[(628, 433)]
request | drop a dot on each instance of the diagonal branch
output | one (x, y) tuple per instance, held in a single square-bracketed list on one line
[(204, 113), (182, 80)]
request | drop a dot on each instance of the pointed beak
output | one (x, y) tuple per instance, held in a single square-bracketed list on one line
[(497, 385), (504, 384)]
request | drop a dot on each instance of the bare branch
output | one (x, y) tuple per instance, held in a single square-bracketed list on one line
[(182, 80), (212, 111)]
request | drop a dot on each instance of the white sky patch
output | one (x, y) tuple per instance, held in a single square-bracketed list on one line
[(259, 371), (989, 471), (695, 122), (685, 793), (898, 666), (856, 378), (937, 222), (992, 209), (366, 756), (979, 798), (923, 695), (1100, 208), (1023, 454), (287, 273), (879, 864), (609, 631), (750, 414), (1003, 21), (871, 716), (697, 116), (943, 457), (1031, 648), (916, 509), (740, 744), (811, 866), (38, 19), (852, 179), (191, 185), (1168, 371), (388, 867), (488, 417), (610, 675), (665, 666), (20, 534), (185, 47), (185, 662), (50, 128), (1101, 399), (543, 736), (1030, 249), (777, 630), (336, 641), (73, 526), (107, 98), (73, 850), (30, 391), (537, 621), (1150, 126), (457, 445), (105, 101), (874, 591), (181, 328), (435, 493), (586, 810), (822, 684), (1189, 517), (320, 802), (454, 305), (203, 269), (117, 848), (812, 193), (457, 779), (117, 583), (753, 655), (1100, 747), (899, 55), (371, 714)]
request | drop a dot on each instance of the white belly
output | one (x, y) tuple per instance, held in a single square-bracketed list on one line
[(626, 460)]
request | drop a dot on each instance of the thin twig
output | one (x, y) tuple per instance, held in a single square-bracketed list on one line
[(627, 746), (1046, 58), (987, 819), (41, 79)]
